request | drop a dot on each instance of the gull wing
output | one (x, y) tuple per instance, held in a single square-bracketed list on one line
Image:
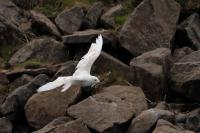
[(86, 62)]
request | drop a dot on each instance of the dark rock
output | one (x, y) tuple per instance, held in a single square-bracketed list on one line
[(184, 76), (167, 127), (188, 33), (14, 104), (144, 122), (70, 20), (148, 72), (152, 25), (53, 124), (193, 120), (3, 78), (26, 4), (42, 108), (44, 50), (43, 25), (113, 106), (5, 125), (24, 79), (91, 20), (190, 6), (108, 18)]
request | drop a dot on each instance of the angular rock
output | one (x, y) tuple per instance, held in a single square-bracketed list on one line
[(144, 122), (91, 20), (42, 108), (166, 127), (5, 125), (43, 25), (193, 120), (13, 106), (188, 33), (152, 25), (148, 72), (70, 20), (108, 18), (184, 76), (54, 124), (44, 50), (113, 106)]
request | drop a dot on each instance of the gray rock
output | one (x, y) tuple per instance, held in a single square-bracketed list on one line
[(193, 120), (44, 50), (43, 25), (167, 127), (91, 20), (184, 76), (13, 106), (152, 25), (5, 125), (188, 33), (43, 107), (70, 20), (144, 122), (148, 72), (112, 106)]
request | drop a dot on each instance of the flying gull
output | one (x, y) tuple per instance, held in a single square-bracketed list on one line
[(81, 75)]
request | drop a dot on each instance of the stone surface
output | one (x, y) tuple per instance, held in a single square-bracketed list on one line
[(43, 25), (70, 20), (193, 120), (148, 72), (166, 127), (44, 50), (112, 106), (91, 20), (184, 76), (152, 25), (13, 106), (43, 107), (144, 122), (5, 125), (188, 32)]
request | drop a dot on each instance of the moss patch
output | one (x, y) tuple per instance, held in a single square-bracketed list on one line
[(32, 63), (3, 90)]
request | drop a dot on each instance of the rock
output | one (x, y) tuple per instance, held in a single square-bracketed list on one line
[(53, 124), (24, 79), (91, 20), (42, 108), (13, 106), (44, 50), (188, 33), (43, 25), (148, 72), (70, 20), (193, 120), (75, 126), (152, 25), (190, 6), (3, 78), (5, 125), (166, 127), (184, 76), (110, 108), (144, 122), (108, 18)]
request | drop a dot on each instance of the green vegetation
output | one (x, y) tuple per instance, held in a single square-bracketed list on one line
[(119, 20), (4, 90), (32, 63)]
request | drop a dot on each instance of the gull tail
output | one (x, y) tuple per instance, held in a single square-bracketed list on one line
[(66, 81)]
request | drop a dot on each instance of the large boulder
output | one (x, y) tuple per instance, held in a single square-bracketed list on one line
[(13, 106), (184, 76), (91, 19), (5, 125), (188, 32), (148, 71), (44, 50), (43, 25), (70, 20), (193, 120), (42, 108), (152, 25), (110, 108), (144, 122)]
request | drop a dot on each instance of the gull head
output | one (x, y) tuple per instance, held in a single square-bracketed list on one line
[(94, 80)]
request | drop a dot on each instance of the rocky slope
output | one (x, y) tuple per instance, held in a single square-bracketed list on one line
[(149, 66)]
